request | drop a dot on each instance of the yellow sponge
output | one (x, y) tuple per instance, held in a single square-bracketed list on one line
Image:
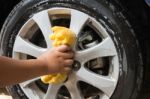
[(61, 35)]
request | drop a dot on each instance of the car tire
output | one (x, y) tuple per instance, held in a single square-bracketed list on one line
[(104, 12)]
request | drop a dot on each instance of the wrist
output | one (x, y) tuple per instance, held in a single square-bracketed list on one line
[(42, 65)]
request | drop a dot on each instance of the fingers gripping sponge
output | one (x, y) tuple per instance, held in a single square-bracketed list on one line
[(60, 36)]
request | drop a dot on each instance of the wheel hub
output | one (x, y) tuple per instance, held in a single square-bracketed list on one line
[(76, 66)]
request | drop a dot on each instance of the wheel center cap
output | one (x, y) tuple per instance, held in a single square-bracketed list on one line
[(76, 65)]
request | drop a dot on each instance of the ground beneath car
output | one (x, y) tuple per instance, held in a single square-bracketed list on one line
[(4, 94)]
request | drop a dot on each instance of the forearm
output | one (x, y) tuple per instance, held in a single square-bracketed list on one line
[(15, 71)]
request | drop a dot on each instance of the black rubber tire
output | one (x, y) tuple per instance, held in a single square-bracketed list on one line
[(106, 13)]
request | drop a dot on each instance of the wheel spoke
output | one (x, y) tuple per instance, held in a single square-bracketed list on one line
[(30, 89), (105, 97), (105, 48), (23, 46), (28, 82), (52, 91), (104, 83), (43, 21), (73, 88), (74, 91), (78, 19)]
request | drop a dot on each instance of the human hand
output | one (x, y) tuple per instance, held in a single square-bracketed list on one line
[(57, 60)]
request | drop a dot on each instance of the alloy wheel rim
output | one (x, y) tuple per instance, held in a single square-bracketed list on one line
[(106, 48)]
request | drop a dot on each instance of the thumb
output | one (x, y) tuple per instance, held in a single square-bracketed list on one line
[(63, 48)]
